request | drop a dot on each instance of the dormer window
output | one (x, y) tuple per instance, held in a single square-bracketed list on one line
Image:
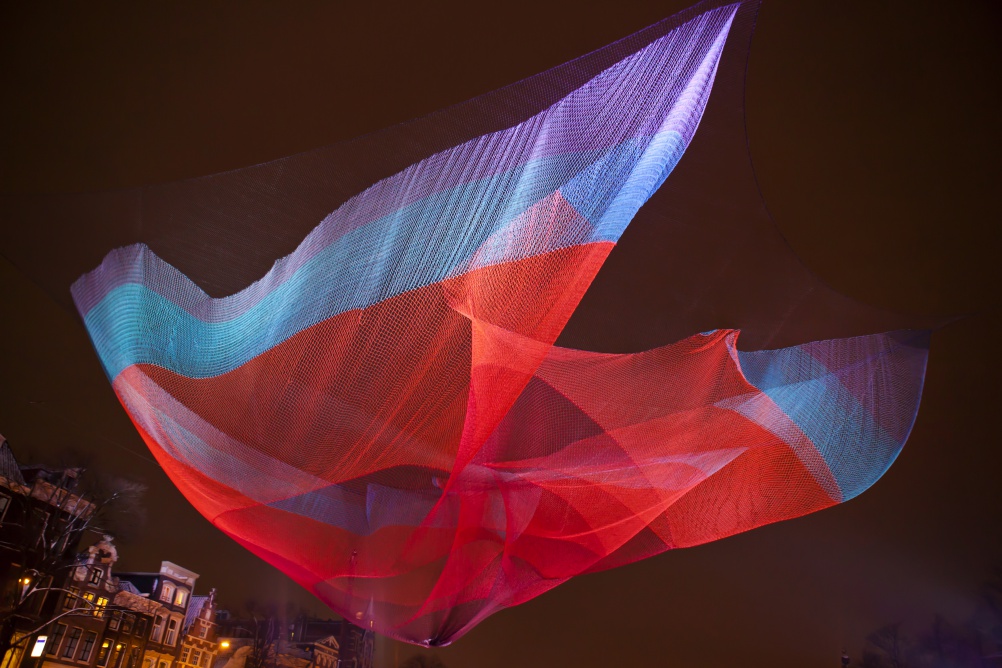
[(181, 597), (167, 593)]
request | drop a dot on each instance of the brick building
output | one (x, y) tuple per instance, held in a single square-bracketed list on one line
[(199, 646), (106, 619), (171, 589), (40, 518), (96, 627)]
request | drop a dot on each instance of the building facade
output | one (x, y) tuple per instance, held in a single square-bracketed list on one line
[(41, 521), (97, 627), (128, 620), (199, 645), (171, 589), (334, 642)]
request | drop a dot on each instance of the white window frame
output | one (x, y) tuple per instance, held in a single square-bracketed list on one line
[(58, 634), (91, 637), (167, 592), (172, 627), (158, 629), (71, 645)]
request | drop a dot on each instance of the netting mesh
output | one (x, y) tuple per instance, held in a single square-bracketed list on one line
[(387, 415)]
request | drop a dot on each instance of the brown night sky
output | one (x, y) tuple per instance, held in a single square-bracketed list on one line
[(874, 132)]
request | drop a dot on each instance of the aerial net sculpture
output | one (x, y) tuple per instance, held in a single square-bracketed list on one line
[(400, 414)]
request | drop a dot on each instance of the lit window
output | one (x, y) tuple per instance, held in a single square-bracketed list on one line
[(101, 602), (72, 640), (116, 656), (102, 654), (181, 597)]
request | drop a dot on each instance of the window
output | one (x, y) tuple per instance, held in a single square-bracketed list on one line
[(127, 621), (115, 621), (4, 504), (167, 593), (71, 643), (171, 631), (141, 626), (196, 656), (88, 599), (72, 598), (101, 602), (203, 631), (88, 646), (184, 654), (181, 597), (133, 658), (102, 654), (116, 656), (95, 576), (158, 628), (57, 637)]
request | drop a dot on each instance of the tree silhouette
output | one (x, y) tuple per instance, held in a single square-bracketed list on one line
[(58, 509)]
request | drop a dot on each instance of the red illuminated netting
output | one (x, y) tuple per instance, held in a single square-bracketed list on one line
[(387, 415)]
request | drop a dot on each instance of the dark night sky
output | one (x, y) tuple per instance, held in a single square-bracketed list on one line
[(874, 130)]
